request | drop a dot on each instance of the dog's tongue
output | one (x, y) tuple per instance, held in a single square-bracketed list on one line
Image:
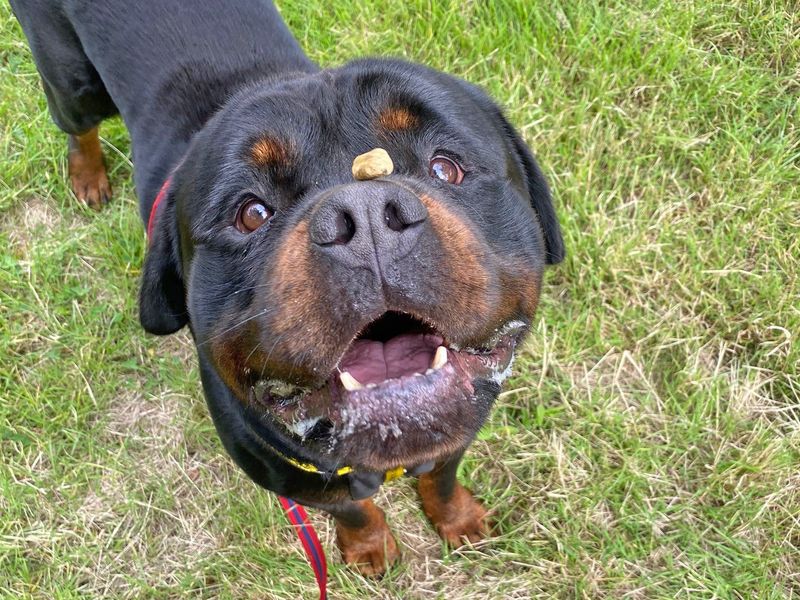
[(371, 361)]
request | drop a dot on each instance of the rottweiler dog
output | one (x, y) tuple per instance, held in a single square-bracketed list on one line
[(348, 329)]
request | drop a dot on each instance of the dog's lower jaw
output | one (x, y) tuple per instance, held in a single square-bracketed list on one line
[(402, 421)]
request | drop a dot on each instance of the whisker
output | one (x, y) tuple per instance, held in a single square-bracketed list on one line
[(253, 287), (229, 329), (253, 351), (269, 354)]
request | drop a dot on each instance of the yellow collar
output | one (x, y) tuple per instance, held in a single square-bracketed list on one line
[(308, 467)]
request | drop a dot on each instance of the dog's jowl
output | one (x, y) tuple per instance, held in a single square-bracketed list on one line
[(352, 322)]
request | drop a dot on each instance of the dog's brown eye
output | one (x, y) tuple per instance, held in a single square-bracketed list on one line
[(252, 215), (446, 169)]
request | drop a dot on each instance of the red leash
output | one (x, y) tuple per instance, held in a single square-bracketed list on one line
[(308, 537)]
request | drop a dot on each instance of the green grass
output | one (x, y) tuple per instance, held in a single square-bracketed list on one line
[(649, 444)]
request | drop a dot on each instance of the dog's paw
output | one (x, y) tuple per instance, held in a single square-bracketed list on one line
[(371, 551), (90, 186), (94, 191), (87, 172), (460, 521)]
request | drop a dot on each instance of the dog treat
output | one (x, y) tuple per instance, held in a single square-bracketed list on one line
[(372, 164)]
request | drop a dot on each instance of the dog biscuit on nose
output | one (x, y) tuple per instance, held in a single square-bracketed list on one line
[(373, 164)]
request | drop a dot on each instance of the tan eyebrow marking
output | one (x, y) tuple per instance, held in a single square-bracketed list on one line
[(269, 151), (397, 118)]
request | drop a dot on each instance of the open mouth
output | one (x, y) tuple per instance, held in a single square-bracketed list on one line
[(399, 385)]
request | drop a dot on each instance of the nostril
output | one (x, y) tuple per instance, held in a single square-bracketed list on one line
[(401, 213), (392, 218), (345, 228)]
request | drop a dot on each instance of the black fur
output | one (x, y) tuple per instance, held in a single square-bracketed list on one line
[(162, 296)]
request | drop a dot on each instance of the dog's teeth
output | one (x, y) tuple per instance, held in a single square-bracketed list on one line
[(440, 358), (349, 382)]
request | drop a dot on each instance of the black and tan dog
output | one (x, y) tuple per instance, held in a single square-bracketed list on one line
[(347, 328)]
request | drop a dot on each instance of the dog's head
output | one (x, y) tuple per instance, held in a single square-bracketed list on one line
[(372, 321)]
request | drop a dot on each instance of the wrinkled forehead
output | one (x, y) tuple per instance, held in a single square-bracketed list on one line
[(342, 113)]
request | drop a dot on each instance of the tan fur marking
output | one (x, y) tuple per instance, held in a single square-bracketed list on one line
[(229, 355), (459, 519), (462, 261), (370, 548), (520, 293), (87, 171), (294, 285), (271, 152), (397, 119), (302, 325)]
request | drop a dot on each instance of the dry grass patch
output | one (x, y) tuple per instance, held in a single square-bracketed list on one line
[(33, 219)]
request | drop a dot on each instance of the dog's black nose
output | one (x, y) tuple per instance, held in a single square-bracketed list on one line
[(359, 222)]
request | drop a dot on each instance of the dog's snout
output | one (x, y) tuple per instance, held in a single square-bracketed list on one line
[(359, 222)]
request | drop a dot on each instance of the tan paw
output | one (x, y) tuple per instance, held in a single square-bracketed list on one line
[(371, 551), (87, 172), (92, 188), (460, 521)]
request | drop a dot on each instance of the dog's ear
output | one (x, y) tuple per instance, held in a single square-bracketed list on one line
[(534, 180), (539, 192), (162, 296)]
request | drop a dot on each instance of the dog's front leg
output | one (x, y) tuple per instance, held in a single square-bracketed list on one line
[(452, 509), (87, 171), (363, 536)]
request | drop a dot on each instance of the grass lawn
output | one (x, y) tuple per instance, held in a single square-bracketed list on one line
[(649, 443)]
